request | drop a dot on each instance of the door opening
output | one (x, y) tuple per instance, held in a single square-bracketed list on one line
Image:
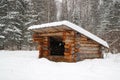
[(56, 46)]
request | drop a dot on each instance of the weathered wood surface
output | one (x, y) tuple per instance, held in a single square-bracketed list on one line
[(89, 45), (69, 40), (77, 46), (89, 48), (86, 48)]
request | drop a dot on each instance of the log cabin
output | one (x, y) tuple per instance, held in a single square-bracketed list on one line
[(65, 41)]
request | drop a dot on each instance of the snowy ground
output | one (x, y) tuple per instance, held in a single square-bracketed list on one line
[(24, 65)]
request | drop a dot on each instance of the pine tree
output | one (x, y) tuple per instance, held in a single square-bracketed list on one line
[(3, 15), (15, 24)]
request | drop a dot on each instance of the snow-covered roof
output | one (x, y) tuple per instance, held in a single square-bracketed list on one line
[(72, 26)]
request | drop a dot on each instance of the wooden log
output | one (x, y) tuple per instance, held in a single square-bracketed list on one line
[(36, 40), (52, 34), (90, 48), (66, 54), (89, 56), (70, 33), (69, 41), (67, 46), (88, 52), (64, 36), (76, 50), (45, 43), (45, 40), (68, 50), (45, 53), (40, 51), (69, 57), (70, 38), (89, 45), (88, 42)]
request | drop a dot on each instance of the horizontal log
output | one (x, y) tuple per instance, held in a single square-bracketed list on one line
[(86, 56), (45, 41), (88, 42), (67, 46), (88, 52), (69, 57), (70, 33), (89, 45), (51, 34), (35, 40), (67, 54), (82, 49), (51, 29), (45, 45), (36, 35), (80, 39), (70, 38), (45, 53), (45, 48), (76, 50), (68, 41), (38, 38), (67, 50), (89, 48)]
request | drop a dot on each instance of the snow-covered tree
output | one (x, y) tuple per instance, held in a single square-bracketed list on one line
[(3, 14), (15, 24)]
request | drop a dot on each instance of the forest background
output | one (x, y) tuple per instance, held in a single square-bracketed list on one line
[(100, 17)]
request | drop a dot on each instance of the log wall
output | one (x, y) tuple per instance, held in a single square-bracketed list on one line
[(86, 48), (77, 46), (69, 39)]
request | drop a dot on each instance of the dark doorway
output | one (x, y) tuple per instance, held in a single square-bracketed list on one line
[(56, 46)]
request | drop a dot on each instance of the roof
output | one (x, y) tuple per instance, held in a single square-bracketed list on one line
[(72, 26)]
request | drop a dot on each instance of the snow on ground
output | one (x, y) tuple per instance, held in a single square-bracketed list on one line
[(24, 65)]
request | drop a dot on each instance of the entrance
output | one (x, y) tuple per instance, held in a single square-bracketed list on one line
[(56, 46)]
